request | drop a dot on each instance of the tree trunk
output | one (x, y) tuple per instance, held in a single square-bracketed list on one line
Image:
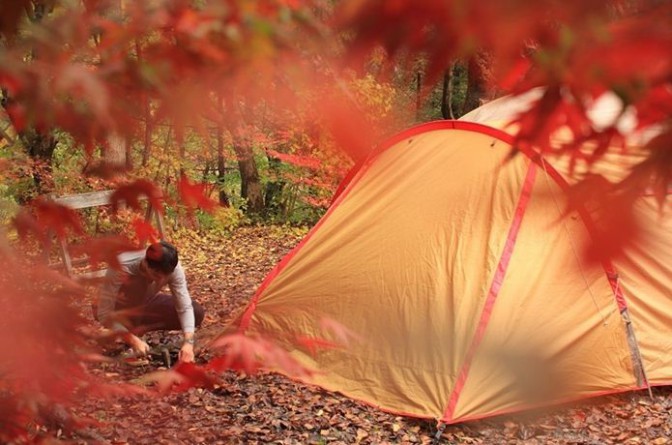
[(39, 145), (147, 148), (250, 187), (447, 94), (40, 148), (272, 198), (221, 169), (182, 156), (477, 83), (418, 94), (129, 155), (475, 87), (147, 112), (115, 152)]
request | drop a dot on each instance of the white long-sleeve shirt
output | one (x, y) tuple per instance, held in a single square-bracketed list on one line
[(130, 270)]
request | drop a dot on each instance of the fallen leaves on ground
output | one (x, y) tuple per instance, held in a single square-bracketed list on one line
[(223, 273)]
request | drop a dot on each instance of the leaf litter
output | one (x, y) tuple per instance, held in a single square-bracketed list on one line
[(223, 273)]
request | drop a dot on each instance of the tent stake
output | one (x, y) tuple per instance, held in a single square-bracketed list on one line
[(439, 432)]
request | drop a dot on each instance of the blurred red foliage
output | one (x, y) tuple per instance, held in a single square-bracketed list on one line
[(87, 72)]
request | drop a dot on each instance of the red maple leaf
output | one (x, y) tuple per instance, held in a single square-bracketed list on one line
[(195, 375), (26, 225), (194, 195), (600, 201), (165, 380), (298, 160), (131, 194), (250, 354), (347, 123), (314, 344), (239, 353), (43, 217), (342, 334), (17, 114), (11, 83), (105, 250), (10, 16), (144, 231), (182, 377)]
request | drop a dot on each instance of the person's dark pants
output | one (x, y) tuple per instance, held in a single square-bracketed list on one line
[(156, 314)]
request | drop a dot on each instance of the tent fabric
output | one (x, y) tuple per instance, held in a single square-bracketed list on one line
[(459, 271), (645, 266)]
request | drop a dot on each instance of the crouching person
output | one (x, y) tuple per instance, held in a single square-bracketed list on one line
[(130, 300)]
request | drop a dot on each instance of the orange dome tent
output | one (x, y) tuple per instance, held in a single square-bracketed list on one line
[(463, 276)]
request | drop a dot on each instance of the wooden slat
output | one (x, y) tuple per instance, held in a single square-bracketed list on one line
[(65, 256), (85, 200), (89, 275), (74, 262)]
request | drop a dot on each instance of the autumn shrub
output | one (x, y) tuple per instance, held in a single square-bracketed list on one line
[(18, 184), (8, 205), (222, 220), (305, 214)]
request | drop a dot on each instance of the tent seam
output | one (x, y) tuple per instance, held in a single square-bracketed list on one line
[(493, 293)]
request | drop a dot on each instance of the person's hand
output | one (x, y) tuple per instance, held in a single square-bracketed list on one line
[(187, 353), (139, 346)]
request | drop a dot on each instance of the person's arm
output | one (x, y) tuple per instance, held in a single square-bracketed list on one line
[(185, 311)]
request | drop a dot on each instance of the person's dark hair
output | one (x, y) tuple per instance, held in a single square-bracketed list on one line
[(162, 257)]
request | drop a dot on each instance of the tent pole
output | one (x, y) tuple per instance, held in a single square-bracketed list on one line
[(638, 363)]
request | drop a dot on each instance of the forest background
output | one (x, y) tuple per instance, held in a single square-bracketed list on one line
[(232, 112), (272, 159)]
